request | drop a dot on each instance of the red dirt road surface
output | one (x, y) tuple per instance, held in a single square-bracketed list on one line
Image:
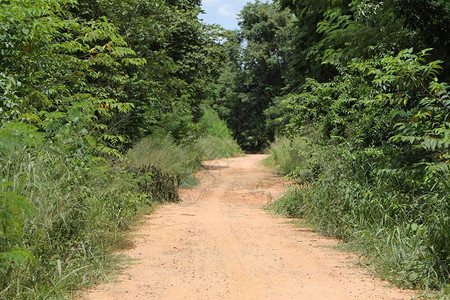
[(219, 243)]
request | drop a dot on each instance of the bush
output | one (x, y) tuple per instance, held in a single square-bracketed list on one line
[(405, 234), (62, 213), (162, 152), (213, 147), (216, 140), (74, 212), (374, 163), (285, 156)]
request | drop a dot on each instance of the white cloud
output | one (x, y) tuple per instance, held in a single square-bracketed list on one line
[(222, 12), (226, 11), (210, 2)]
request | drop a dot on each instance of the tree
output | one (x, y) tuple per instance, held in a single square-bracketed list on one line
[(256, 66), (330, 34), (180, 54)]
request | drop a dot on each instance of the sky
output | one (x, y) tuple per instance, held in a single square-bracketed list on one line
[(222, 12)]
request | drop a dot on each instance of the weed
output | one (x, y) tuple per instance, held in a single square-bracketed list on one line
[(405, 237)]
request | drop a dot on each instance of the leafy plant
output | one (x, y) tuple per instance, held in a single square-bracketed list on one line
[(374, 171)]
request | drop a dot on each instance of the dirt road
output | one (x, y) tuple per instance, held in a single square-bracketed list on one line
[(219, 244)]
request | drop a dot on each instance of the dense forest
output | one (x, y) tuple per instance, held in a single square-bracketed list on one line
[(355, 95), (103, 114), (107, 106)]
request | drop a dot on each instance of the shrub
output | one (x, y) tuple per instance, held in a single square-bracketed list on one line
[(404, 234), (161, 151), (216, 140), (74, 212), (213, 147)]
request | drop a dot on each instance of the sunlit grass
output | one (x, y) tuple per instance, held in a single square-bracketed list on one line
[(399, 236)]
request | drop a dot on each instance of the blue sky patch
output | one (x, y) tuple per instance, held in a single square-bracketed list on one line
[(222, 12)]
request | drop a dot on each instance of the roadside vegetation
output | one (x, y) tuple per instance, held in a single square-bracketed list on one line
[(106, 107), (353, 98), (103, 114)]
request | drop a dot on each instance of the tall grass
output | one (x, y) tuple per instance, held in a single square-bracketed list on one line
[(161, 151), (62, 214), (217, 141), (79, 210), (180, 158), (285, 155), (404, 233), (213, 147), (64, 211), (176, 162)]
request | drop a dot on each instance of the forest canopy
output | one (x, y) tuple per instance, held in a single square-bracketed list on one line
[(107, 106), (82, 82), (356, 95)]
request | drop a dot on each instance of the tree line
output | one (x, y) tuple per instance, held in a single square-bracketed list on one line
[(81, 83), (355, 94), (107, 106)]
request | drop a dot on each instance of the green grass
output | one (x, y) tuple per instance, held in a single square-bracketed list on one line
[(404, 235), (184, 158), (64, 212), (162, 152), (217, 140), (213, 147), (80, 210), (286, 158)]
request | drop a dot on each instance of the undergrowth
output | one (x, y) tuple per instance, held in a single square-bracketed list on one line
[(282, 163), (77, 89), (217, 141), (404, 232), (63, 215), (180, 159), (161, 151), (60, 218)]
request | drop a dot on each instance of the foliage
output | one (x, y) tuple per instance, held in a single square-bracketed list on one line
[(162, 152), (404, 236), (182, 159), (365, 110), (254, 75), (358, 87), (335, 32), (284, 155), (217, 141), (214, 147), (376, 164), (73, 210), (158, 185), (80, 81)]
